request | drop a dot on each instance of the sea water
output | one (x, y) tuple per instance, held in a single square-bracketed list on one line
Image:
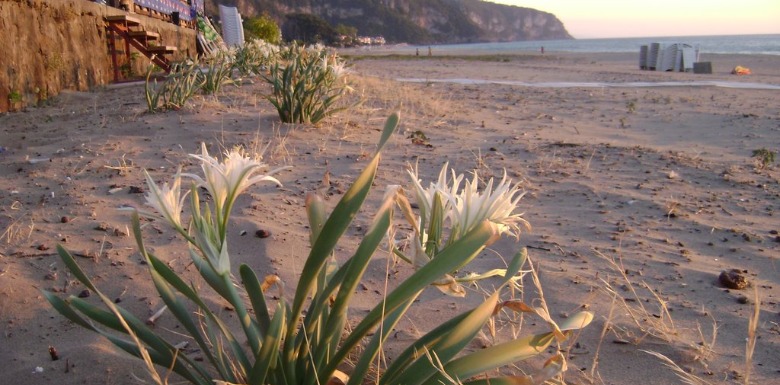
[(704, 83), (733, 44), (727, 44)]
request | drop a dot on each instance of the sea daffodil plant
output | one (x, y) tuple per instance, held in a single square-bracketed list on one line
[(304, 341)]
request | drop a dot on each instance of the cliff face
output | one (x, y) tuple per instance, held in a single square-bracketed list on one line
[(506, 23), (419, 21), (51, 45)]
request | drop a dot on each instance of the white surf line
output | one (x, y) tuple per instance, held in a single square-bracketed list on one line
[(724, 84)]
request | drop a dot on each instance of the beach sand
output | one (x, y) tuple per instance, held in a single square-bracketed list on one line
[(639, 198)]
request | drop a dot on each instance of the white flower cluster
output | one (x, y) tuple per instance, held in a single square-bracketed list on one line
[(225, 180), (264, 49), (469, 206)]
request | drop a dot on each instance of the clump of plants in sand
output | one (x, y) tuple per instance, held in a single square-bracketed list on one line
[(305, 339), (217, 71), (254, 57), (306, 84), (184, 80), (764, 157)]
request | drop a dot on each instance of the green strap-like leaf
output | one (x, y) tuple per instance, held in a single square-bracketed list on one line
[(506, 380), (576, 321), (172, 278), (251, 330), (315, 211), (270, 350), (372, 349), (63, 308), (460, 252), (184, 316), (319, 306), (335, 226), (390, 124), (357, 267), (332, 231), (515, 265), (339, 219), (160, 359), (256, 297), (450, 344), (493, 357), (183, 366), (74, 268), (110, 320), (208, 273), (414, 350), (154, 343), (435, 226), (162, 276)]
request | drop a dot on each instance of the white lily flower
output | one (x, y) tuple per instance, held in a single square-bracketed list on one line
[(337, 67), (227, 179), (466, 208), (224, 180), (425, 196), (315, 48), (463, 209), (168, 199), (471, 207)]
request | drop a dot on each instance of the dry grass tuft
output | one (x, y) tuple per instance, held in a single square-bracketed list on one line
[(18, 230), (418, 102), (685, 376), (650, 315), (650, 322), (752, 335), (123, 167)]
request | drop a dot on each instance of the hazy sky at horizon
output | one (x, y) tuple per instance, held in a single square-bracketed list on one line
[(631, 18)]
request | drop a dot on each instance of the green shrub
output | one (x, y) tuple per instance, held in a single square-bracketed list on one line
[(303, 342), (306, 84), (764, 157), (631, 106), (263, 27), (15, 97)]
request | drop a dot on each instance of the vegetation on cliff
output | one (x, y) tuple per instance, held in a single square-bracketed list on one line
[(421, 21)]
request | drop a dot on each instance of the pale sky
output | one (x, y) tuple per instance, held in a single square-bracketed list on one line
[(635, 18)]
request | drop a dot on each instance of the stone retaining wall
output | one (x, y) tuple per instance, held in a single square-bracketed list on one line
[(50, 45)]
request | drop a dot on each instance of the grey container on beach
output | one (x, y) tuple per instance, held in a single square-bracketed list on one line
[(702, 67)]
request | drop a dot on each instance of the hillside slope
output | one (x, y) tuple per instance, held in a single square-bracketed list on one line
[(418, 21)]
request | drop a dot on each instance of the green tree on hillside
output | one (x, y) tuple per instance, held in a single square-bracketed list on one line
[(346, 30), (263, 27), (347, 34), (309, 29)]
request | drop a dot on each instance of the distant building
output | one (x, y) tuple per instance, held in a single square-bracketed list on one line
[(371, 40)]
